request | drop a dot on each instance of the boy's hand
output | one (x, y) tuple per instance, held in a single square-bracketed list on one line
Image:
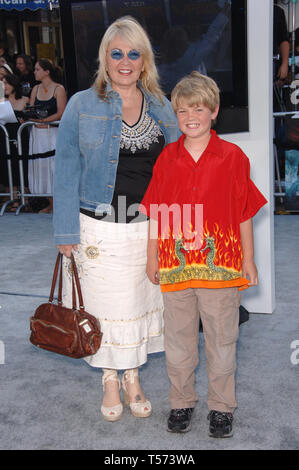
[(152, 271), (249, 271)]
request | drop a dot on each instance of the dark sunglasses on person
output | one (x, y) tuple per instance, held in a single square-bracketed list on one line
[(118, 54)]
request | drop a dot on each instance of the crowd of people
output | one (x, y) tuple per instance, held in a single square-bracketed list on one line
[(39, 85), (38, 90)]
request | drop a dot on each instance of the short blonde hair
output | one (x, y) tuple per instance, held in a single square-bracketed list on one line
[(129, 28), (196, 89)]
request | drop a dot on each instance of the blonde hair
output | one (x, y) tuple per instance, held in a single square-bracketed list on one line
[(196, 89), (129, 29)]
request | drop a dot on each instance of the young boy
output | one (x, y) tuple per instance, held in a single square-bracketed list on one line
[(202, 254)]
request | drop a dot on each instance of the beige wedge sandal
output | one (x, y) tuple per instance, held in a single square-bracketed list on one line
[(138, 409)]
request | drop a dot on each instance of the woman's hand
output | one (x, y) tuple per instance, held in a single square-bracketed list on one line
[(42, 125), (152, 270), (66, 250)]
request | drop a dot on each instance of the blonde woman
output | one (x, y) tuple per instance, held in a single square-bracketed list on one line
[(109, 139)]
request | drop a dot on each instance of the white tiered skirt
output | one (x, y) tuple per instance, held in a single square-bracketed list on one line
[(111, 262), (41, 170)]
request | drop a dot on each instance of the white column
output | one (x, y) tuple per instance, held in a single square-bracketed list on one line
[(258, 146)]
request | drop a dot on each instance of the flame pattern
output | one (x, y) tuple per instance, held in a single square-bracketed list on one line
[(228, 255)]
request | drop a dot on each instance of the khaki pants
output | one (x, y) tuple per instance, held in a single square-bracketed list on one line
[(219, 313)]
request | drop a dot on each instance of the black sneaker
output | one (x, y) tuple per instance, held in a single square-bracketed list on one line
[(180, 420), (220, 424)]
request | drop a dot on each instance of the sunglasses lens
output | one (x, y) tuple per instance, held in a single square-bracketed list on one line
[(133, 54), (116, 54)]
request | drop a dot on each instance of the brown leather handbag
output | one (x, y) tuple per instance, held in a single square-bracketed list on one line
[(62, 330)]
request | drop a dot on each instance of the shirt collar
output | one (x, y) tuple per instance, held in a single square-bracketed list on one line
[(214, 145)]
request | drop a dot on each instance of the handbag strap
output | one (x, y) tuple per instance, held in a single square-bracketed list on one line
[(60, 283), (54, 278), (77, 282), (75, 273)]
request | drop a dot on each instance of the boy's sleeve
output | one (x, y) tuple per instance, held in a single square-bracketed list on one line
[(251, 199)]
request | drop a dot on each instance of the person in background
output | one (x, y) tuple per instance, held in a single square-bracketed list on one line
[(24, 69), (5, 70), (297, 53), (13, 93), (281, 45), (4, 55), (109, 139), (50, 99)]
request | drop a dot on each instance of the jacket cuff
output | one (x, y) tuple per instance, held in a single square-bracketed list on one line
[(67, 239)]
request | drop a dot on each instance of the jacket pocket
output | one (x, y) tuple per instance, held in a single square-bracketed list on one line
[(91, 131)]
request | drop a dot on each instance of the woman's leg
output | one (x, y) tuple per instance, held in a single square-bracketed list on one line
[(133, 386), (49, 208), (112, 407), (133, 394)]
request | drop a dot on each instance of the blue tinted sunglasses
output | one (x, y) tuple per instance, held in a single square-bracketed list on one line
[(117, 54)]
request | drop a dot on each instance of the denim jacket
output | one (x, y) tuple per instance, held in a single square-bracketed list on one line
[(87, 153)]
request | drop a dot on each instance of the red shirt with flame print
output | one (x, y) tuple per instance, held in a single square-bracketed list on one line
[(200, 206)]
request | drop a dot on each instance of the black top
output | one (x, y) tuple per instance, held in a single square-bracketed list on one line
[(280, 30), (140, 146), (49, 105), (134, 173)]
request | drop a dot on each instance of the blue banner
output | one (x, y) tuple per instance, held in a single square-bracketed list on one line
[(30, 4)]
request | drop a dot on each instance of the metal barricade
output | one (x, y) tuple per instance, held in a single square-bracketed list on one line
[(10, 180), (20, 153)]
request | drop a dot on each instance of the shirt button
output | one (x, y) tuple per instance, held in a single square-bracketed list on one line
[(109, 186), (112, 161)]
